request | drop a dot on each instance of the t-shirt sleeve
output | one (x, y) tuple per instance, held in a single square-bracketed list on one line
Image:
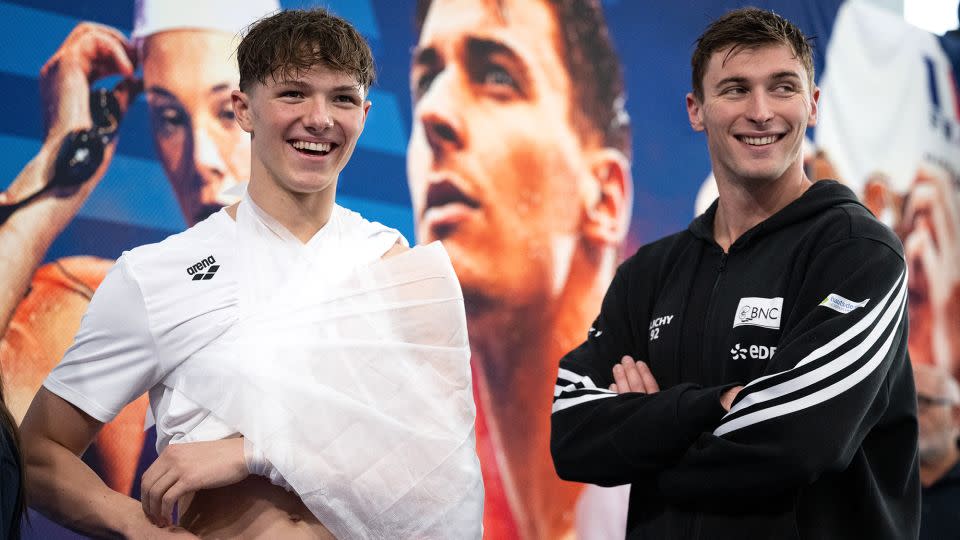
[(113, 359)]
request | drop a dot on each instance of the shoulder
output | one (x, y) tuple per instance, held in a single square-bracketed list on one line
[(397, 249), (352, 221), (45, 320), (80, 273), (830, 214), (373, 235), (185, 245), (61, 290), (854, 224), (864, 225), (659, 255), (184, 276), (195, 254)]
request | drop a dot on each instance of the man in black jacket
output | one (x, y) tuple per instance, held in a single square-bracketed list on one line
[(775, 326)]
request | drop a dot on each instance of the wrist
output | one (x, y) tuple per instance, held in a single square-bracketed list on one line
[(132, 522), (255, 460)]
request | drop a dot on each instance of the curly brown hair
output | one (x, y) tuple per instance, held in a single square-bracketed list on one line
[(748, 28), (288, 43)]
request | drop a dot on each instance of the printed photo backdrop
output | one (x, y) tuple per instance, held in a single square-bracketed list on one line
[(500, 133)]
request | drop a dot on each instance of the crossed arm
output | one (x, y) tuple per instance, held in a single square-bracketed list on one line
[(633, 376), (817, 401)]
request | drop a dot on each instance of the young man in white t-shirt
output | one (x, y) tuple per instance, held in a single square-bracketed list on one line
[(304, 81)]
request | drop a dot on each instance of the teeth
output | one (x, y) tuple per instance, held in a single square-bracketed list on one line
[(759, 141), (313, 147)]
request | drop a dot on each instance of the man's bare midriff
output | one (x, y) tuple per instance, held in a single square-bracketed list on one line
[(252, 508)]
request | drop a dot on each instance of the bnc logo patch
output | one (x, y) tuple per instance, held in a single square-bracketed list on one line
[(763, 312), (755, 352), (211, 266)]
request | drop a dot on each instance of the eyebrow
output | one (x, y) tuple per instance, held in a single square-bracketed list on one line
[(302, 85), (425, 56), (786, 75), (163, 92), (347, 88), (290, 82), (776, 76), (476, 47), (483, 47)]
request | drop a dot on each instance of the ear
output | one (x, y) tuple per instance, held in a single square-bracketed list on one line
[(814, 104), (366, 109), (694, 112), (241, 109), (609, 197)]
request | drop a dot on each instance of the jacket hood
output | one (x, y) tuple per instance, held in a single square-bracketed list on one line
[(820, 197)]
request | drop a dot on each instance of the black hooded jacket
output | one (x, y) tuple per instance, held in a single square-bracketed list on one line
[(808, 310)]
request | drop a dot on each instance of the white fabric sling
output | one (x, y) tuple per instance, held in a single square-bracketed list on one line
[(357, 391)]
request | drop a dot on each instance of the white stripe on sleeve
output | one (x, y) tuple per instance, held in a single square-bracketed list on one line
[(882, 330)]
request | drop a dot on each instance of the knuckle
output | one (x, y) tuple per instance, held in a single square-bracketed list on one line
[(155, 492), (82, 28), (189, 479)]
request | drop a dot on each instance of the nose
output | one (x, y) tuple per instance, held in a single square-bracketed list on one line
[(206, 156), (759, 110), (318, 117), (211, 168), (438, 114)]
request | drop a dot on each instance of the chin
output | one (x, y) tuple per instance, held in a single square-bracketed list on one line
[(308, 188), (758, 178)]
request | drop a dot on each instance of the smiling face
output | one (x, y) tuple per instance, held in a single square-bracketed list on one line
[(756, 106), (304, 129), (496, 169), (188, 76)]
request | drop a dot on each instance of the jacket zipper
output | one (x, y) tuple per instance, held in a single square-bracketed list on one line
[(696, 519), (704, 352)]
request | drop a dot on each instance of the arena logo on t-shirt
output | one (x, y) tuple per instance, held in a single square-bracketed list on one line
[(763, 312), (208, 263)]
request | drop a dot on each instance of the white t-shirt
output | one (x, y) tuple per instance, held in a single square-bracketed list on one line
[(163, 302)]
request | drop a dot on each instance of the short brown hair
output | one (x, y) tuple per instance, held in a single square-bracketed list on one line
[(290, 42), (596, 77), (748, 28)]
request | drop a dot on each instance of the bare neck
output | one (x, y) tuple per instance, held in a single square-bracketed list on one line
[(503, 334), (303, 214), (517, 352), (743, 206)]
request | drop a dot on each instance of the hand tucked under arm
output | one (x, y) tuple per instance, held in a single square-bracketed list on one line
[(188, 467), (835, 377), (64, 488)]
